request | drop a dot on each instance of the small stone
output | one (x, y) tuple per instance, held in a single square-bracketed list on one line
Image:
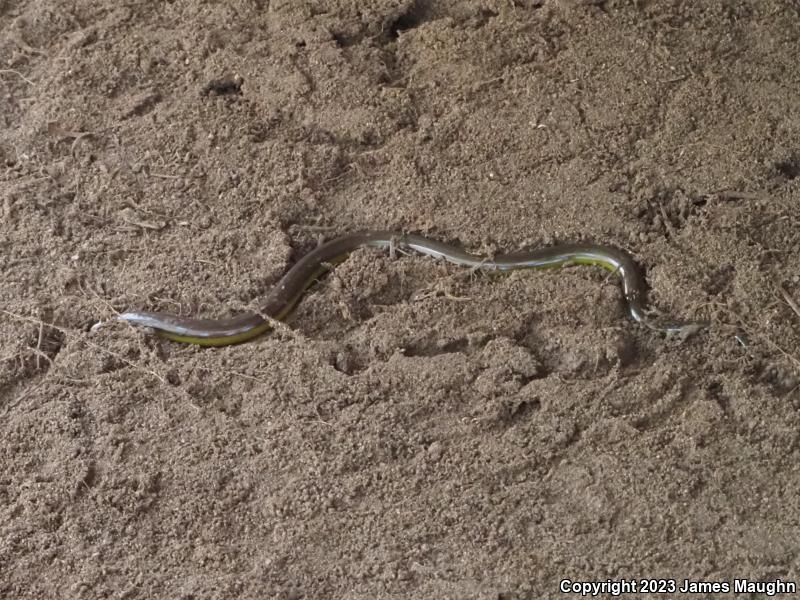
[(435, 451)]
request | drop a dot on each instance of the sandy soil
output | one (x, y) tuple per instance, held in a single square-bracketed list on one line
[(418, 431)]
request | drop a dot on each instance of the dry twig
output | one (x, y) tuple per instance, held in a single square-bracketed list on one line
[(69, 332)]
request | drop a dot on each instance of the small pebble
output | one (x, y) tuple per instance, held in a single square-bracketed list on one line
[(435, 451)]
